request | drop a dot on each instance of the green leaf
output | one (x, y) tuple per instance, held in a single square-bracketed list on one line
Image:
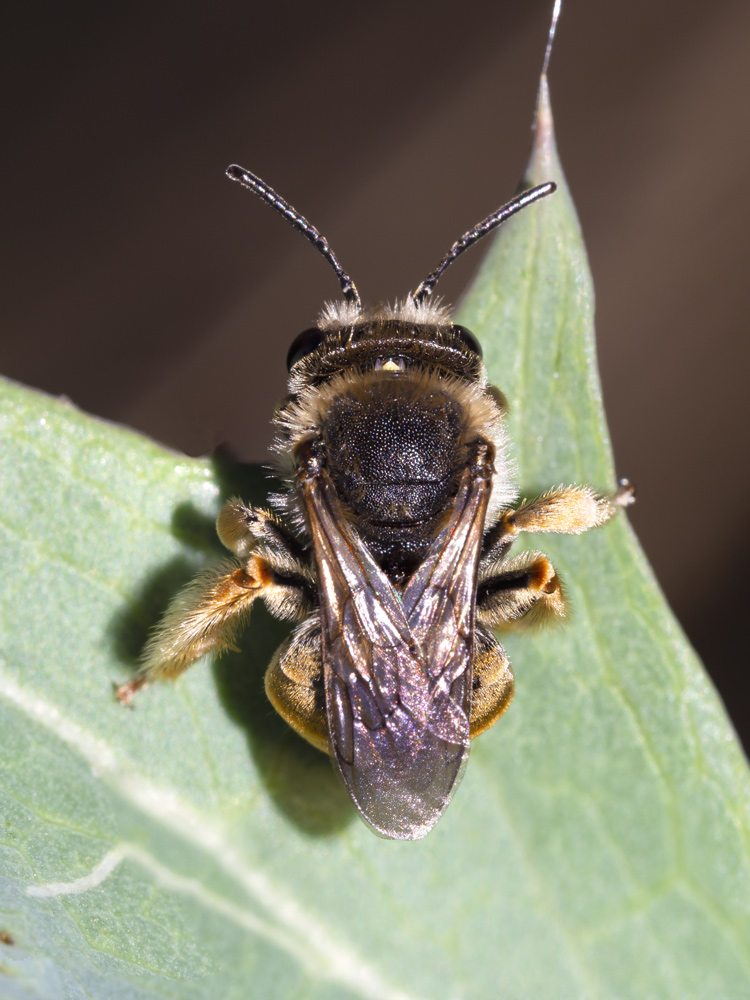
[(195, 847)]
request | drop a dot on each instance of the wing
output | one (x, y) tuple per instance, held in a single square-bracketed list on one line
[(398, 713), (440, 604)]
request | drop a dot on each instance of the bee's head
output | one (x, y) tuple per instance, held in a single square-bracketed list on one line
[(390, 339)]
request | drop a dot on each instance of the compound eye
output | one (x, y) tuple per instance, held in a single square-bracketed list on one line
[(468, 338), (303, 345)]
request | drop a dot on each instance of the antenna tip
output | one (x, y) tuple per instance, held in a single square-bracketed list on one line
[(234, 172)]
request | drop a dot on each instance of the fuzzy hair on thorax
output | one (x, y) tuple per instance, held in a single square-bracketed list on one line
[(432, 360)]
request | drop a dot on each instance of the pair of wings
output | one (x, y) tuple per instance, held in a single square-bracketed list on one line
[(397, 666)]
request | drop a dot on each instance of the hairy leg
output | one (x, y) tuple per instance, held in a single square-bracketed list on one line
[(568, 510), (240, 528), (526, 587), (207, 614)]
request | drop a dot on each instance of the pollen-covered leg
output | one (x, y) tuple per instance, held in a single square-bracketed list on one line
[(525, 587), (492, 682), (568, 510), (294, 685)]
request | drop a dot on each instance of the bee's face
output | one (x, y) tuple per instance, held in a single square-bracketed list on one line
[(386, 342)]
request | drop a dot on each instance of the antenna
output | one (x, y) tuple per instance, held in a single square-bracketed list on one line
[(424, 290), (298, 222)]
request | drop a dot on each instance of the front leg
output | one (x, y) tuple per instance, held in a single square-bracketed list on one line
[(241, 528)]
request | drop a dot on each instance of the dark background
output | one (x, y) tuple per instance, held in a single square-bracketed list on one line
[(143, 285)]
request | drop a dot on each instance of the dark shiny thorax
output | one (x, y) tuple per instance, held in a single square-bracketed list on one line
[(394, 450)]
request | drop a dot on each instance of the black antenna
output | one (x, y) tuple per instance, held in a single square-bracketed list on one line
[(300, 223), (486, 226)]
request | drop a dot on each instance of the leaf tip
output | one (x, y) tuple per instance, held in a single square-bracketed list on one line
[(544, 163)]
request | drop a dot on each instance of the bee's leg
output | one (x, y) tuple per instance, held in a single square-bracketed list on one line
[(525, 587), (294, 685), (241, 528), (568, 510), (207, 614), (492, 682)]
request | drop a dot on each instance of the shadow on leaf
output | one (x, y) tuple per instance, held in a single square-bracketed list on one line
[(299, 778), (130, 628)]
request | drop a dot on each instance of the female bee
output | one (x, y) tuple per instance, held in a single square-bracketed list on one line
[(389, 548)]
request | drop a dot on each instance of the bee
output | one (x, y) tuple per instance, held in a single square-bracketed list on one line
[(390, 547)]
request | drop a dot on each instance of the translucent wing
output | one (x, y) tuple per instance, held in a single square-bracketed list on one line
[(440, 603), (397, 669)]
